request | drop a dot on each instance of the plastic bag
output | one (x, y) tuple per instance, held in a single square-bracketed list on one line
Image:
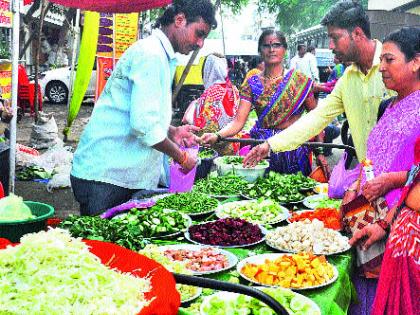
[(12, 208), (44, 132), (180, 182), (341, 179)]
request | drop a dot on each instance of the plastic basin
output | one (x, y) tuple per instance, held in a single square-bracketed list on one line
[(14, 230), (250, 174)]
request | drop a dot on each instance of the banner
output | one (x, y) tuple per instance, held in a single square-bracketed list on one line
[(104, 67), (117, 6), (5, 14), (125, 29), (85, 66), (6, 80)]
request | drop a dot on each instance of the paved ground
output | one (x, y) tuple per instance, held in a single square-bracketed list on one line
[(63, 199)]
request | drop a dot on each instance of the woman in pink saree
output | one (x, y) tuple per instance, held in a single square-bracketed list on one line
[(390, 146)]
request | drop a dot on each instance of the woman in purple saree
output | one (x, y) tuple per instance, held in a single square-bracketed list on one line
[(279, 97), (390, 146)]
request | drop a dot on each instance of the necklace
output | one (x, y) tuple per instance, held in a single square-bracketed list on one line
[(276, 77)]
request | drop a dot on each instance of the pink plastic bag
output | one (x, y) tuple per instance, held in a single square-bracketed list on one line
[(179, 181), (341, 179)]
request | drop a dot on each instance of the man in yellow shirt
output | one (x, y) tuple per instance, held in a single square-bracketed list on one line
[(358, 92)]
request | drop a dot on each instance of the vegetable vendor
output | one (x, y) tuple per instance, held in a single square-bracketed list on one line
[(121, 148)]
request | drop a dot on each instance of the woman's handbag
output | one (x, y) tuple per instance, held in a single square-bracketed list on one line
[(355, 216)]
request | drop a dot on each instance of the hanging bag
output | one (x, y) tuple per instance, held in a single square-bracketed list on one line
[(341, 179)]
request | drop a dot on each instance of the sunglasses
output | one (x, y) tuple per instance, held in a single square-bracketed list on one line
[(272, 46)]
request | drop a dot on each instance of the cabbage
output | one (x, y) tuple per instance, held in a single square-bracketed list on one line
[(53, 273), (12, 208)]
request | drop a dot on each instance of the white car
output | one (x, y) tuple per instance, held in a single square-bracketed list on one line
[(55, 84)]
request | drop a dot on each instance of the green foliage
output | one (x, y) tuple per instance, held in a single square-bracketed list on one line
[(296, 15), (4, 47)]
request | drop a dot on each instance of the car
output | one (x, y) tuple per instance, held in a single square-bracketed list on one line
[(55, 84)]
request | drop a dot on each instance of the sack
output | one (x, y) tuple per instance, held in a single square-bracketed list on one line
[(355, 216), (45, 132), (341, 179), (180, 182)]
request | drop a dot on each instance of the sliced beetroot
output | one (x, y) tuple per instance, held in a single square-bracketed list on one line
[(226, 232)]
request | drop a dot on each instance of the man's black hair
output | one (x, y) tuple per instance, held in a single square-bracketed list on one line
[(348, 14), (300, 46), (254, 62), (407, 39), (193, 11), (311, 49)]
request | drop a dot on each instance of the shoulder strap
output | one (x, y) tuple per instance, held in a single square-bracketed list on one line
[(383, 106)]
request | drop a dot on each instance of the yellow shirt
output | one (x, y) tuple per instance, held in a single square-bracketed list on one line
[(356, 94)]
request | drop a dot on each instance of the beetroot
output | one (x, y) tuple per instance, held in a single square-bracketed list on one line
[(226, 232)]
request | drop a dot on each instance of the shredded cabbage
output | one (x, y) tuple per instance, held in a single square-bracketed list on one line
[(12, 208), (53, 273)]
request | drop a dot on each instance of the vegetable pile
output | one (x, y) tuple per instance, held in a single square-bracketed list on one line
[(282, 188), (12, 208), (232, 303), (226, 185), (95, 228), (154, 222), (33, 172), (256, 211), (329, 216), (307, 236), (238, 161), (53, 273), (291, 271), (204, 259), (190, 202), (323, 202), (226, 232), (206, 153), (153, 252)]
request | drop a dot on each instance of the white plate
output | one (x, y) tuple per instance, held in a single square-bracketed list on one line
[(263, 230), (193, 297), (260, 259), (220, 211), (232, 259), (229, 296), (307, 201)]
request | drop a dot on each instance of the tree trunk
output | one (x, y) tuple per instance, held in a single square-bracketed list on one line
[(44, 7)]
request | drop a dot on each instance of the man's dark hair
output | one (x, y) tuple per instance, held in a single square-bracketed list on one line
[(280, 36), (193, 11), (348, 14), (407, 39), (300, 46)]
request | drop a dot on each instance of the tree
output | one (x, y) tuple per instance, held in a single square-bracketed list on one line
[(296, 15)]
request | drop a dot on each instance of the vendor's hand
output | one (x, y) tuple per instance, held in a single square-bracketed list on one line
[(321, 161), (371, 232), (184, 135), (256, 154), (208, 138), (189, 164), (376, 187)]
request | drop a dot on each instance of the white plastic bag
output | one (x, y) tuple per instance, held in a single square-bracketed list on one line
[(45, 132)]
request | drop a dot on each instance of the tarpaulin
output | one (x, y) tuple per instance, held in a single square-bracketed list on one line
[(85, 66), (114, 6)]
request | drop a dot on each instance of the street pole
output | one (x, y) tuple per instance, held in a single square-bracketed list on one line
[(15, 64)]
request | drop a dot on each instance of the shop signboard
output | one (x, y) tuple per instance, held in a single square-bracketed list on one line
[(5, 14), (5, 80)]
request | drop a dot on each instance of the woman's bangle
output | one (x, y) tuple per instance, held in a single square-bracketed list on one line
[(383, 224)]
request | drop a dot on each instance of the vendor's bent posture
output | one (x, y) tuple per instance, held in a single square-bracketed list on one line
[(121, 148)]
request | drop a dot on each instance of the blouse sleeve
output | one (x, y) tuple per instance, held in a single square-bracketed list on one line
[(245, 92)]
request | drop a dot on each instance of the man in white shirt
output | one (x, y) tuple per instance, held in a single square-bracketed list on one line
[(305, 62)]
